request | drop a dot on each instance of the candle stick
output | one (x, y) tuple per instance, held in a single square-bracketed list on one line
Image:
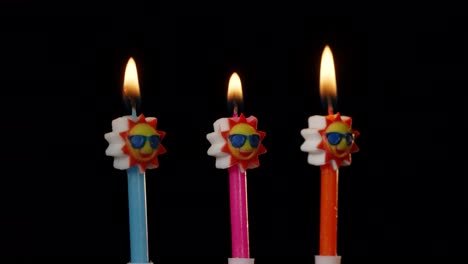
[(236, 144), (329, 140), (136, 144), (239, 212)]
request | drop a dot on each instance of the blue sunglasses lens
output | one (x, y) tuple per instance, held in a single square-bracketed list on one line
[(349, 139), (154, 141), (334, 138), (254, 140), (138, 141), (238, 140)]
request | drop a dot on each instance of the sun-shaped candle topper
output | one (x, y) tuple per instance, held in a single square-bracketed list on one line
[(236, 140), (329, 140), (135, 141)]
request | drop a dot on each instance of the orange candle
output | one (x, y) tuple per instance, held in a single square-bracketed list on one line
[(328, 210), (329, 140)]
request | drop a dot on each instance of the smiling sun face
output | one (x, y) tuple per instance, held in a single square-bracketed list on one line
[(329, 139), (339, 139), (236, 141), (143, 143), (243, 141), (135, 141)]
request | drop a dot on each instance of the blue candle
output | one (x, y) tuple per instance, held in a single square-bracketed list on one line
[(137, 213), (135, 143)]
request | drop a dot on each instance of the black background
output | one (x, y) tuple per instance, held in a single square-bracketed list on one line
[(400, 77)]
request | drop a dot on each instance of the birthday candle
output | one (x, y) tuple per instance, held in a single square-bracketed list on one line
[(329, 140), (236, 144), (135, 144)]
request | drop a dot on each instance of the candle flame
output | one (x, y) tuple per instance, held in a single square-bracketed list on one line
[(131, 87), (327, 78), (235, 91)]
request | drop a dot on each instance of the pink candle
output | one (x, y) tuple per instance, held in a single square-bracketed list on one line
[(236, 144), (239, 212)]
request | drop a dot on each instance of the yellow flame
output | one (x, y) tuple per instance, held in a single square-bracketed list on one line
[(131, 88), (234, 88), (327, 74)]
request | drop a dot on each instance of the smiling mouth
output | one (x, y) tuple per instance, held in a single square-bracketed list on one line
[(245, 154), (340, 152), (146, 155)]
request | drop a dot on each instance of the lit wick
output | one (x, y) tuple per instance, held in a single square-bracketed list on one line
[(131, 88), (235, 92), (328, 79)]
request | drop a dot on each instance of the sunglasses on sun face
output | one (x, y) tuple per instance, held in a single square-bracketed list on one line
[(138, 141), (238, 140), (334, 138)]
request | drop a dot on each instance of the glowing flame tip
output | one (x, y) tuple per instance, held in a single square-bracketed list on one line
[(131, 87), (234, 94), (328, 78), (235, 88)]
